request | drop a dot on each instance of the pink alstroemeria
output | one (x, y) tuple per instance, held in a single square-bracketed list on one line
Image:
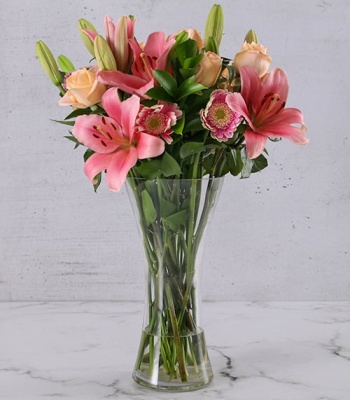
[(116, 143), (219, 118), (262, 104), (158, 120), (153, 55)]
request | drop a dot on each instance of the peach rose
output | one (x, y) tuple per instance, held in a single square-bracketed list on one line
[(209, 69), (255, 55), (83, 89)]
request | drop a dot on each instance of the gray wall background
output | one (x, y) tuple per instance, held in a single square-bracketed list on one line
[(281, 235)]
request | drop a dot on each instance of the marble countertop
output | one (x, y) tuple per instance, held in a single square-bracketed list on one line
[(259, 351)]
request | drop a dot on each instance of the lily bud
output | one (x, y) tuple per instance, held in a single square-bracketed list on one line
[(121, 44), (251, 37), (65, 64), (214, 26), (103, 54), (84, 25), (48, 63)]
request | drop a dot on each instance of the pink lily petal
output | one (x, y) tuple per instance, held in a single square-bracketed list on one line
[(289, 114), (115, 140), (285, 130), (255, 144), (126, 82), (90, 34), (155, 44), (119, 79), (109, 29), (119, 166), (96, 132), (163, 58), (281, 126), (149, 146), (236, 102), (277, 82), (96, 164), (124, 112), (129, 110), (136, 48), (111, 103), (264, 109), (250, 82)]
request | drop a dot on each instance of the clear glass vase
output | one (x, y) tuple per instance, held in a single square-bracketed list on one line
[(172, 216)]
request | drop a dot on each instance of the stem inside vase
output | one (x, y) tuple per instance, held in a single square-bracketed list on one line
[(173, 215)]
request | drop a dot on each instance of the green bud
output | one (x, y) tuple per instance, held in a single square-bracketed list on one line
[(48, 63), (251, 36), (65, 64), (103, 54), (89, 43), (215, 25)]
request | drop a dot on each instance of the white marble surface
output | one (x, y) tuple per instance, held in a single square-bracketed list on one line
[(259, 351)]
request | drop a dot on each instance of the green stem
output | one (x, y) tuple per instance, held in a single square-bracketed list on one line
[(177, 339), (190, 257)]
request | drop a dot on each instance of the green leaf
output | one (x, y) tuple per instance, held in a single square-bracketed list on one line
[(74, 140), (190, 148), (185, 50), (159, 93), (179, 126), (175, 221), (76, 113), (189, 86), (166, 81), (259, 163), (194, 125), (180, 38), (193, 62), (167, 208), (88, 153), (150, 169), (70, 123), (208, 163), (187, 72), (149, 212), (234, 162), (170, 166)]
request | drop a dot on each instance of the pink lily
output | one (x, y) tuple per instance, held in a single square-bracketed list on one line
[(262, 104), (153, 55), (114, 139), (117, 36)]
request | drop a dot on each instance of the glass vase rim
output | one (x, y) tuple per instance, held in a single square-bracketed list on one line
[(204, 178)]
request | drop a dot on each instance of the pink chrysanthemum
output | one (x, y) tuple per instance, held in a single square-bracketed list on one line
[(158, 120), (219, 118)]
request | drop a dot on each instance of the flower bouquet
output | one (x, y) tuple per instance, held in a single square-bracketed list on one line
[(172, 117)]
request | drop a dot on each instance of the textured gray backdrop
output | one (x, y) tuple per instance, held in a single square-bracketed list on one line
[(281, 235)]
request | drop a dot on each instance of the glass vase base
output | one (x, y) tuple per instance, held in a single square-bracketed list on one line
[(192, 371)]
